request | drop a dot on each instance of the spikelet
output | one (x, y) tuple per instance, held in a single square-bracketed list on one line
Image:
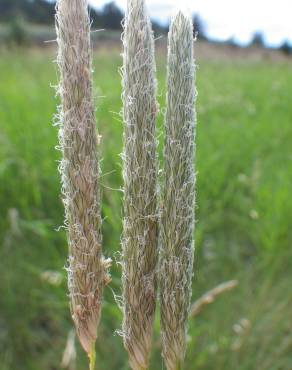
[(177, 214), (79, 168), (139, 243)]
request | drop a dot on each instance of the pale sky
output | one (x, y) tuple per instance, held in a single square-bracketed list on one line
[(227, 18)]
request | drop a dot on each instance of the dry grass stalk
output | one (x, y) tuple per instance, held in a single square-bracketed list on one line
[(177, 218), (139, 244), (87, 271), (210, 296), (69, 354)]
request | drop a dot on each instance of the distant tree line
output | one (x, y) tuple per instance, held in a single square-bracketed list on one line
[(37, 11), (109, 17), (43, 11)]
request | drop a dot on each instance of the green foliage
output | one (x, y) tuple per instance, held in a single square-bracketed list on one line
[(43, 12), (199, 27), (258, 39), (112, 16), (243, 226), (286, 47), (38, 11), (17, 32)]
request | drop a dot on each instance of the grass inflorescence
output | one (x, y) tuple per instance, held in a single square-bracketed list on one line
[(79, 168), (178, 196), (140, 231)]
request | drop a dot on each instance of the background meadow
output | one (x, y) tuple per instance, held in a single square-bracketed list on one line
[(243, 212)]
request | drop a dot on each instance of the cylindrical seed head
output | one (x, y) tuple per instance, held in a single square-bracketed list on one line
[(139, 243), (177, 216), (87, 270)]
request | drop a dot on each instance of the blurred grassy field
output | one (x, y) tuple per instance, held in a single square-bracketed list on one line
[(244, 212)]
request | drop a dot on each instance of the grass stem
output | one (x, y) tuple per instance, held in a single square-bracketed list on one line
[(92, 356)]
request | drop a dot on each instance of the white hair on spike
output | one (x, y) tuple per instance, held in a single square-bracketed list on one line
[(139, 243), (178, 198), (79, 168)]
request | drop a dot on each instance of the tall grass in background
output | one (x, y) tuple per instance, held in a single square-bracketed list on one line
[(79, 168), (243, 211)]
